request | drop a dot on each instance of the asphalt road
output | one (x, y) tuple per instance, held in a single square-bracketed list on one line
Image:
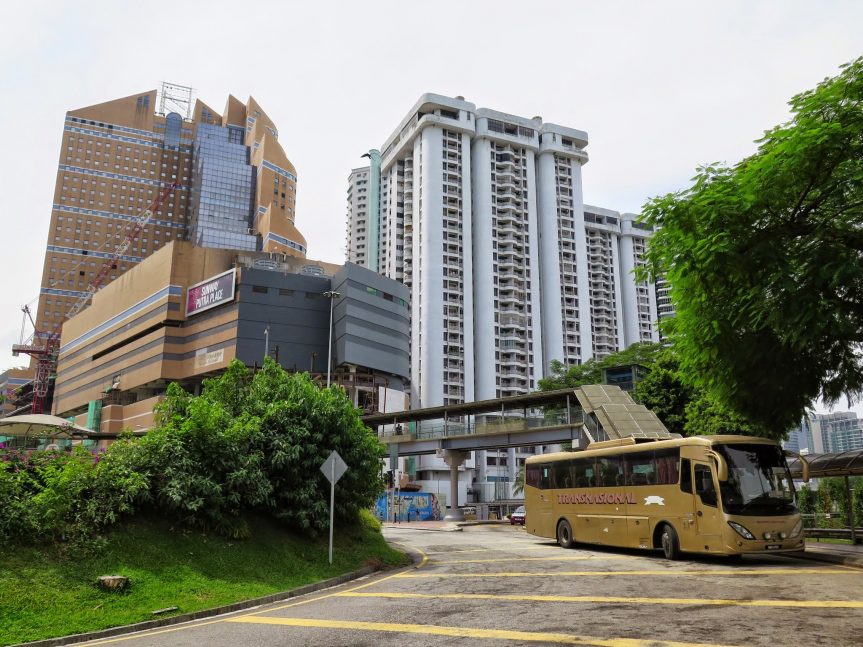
[(495, 585)]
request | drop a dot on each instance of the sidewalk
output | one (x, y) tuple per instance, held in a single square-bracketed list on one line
[(846, 554)]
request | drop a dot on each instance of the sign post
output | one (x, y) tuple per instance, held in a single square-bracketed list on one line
[(333, 468)]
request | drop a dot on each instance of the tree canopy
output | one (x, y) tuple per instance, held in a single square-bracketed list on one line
[(764, 261)]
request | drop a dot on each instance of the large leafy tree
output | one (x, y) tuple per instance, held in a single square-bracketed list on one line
[(257, 442), (765, 260)]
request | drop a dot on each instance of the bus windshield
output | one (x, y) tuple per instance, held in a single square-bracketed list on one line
[(759, 482)]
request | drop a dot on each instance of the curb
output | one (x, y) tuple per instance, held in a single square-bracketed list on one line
[(204, 613), (818, 556), (415, 527)]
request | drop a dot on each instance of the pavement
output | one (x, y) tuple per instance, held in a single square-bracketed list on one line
[(845, 554)]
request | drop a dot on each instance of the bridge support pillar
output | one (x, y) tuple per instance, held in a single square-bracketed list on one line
[(454, 459)]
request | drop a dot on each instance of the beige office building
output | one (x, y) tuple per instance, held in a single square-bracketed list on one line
[(236, 189)]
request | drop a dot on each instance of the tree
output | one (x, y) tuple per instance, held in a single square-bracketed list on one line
[(257, 442), (562, 376), (664, 392), (764, 262)]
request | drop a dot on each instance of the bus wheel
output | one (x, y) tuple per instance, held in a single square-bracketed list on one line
[(670, 543), (564, 534)]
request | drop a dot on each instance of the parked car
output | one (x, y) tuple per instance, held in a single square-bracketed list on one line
[(517, 517)]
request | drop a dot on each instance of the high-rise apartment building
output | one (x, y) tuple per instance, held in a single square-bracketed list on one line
[(481, 213), (357, 235), (236, 188)]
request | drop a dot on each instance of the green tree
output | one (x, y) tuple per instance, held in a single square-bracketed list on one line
[(562, 376), (664, 392), (764, 262), (257, 442)]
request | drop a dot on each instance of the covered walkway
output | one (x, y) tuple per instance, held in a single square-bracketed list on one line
[(840, 464)]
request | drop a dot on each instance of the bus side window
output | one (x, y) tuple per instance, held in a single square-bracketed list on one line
[(531, 475), (685, 476), (610, 471), (545, 477), (584, 472), (704, 485)]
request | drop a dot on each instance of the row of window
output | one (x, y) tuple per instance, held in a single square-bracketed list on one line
[(652, 467)]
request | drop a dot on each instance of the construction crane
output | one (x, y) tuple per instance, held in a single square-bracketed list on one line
[(44, 346)]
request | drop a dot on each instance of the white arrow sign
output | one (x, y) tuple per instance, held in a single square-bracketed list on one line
[(333, 468)]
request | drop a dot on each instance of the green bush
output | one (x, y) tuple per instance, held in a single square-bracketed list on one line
[(247, 443)]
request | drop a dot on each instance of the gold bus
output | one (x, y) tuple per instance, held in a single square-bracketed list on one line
[(724, 495)]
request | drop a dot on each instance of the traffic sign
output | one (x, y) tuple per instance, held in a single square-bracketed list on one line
[(334, 467)]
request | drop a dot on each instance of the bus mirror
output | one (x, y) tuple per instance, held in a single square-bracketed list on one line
[(721, 465), (804, 464)]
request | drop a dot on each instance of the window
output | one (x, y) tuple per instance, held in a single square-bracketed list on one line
[(704, 485), (260, 288), (609, 471), (685, 476)]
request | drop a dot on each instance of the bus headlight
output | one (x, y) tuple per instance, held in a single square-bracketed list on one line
[(797, 528), (740, 530), (768, 535)]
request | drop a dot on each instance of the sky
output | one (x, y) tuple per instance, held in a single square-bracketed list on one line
[(660, 87)]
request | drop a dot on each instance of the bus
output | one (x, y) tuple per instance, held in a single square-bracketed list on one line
[(720, 495)]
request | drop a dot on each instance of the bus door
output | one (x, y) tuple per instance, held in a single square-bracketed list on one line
[(544, 507), (708, 521)]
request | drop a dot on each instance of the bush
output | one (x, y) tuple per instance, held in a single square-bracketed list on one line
[(246, 443)]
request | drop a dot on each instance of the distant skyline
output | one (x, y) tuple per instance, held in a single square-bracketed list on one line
[(659, 87)]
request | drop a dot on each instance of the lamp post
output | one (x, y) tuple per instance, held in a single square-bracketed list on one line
[(266, 342), (332, 296)]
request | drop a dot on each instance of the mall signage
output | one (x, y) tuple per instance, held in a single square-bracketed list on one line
[(210, 293)]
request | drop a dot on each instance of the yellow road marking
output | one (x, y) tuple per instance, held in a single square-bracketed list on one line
[(670, 573), (147, 634), (537, 559), (463, 632), (246, 615), (808, 604)]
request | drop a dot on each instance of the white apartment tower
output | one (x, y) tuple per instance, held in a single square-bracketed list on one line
[(481, 213), (356, 238)]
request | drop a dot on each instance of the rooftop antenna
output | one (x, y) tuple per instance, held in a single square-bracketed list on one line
[(176, 98)]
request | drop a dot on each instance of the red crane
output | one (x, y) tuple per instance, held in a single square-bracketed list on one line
[(44, 346)]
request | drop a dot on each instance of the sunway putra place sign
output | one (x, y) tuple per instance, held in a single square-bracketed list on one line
[(211, 292)]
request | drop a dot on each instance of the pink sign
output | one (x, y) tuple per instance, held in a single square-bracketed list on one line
[(210, 293)]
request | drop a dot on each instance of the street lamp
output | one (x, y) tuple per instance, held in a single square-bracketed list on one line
[(266, 342), (332, 296)]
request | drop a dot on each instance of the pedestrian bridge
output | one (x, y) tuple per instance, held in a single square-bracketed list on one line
[(583, 415)]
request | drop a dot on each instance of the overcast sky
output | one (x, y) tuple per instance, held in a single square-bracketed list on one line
[(660, 87)]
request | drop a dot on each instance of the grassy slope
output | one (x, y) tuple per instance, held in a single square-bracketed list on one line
[(44, 593)]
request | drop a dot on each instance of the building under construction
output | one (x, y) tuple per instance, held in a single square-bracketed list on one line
[(231, 186)]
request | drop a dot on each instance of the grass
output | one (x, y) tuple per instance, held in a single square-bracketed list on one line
[(48, 591)]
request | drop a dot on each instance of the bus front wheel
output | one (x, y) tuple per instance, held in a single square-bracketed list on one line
[(670, 543), (564, 534)]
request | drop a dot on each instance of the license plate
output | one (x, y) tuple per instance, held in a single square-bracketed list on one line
[(772, 547)]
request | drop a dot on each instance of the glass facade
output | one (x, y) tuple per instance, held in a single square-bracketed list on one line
[(223, 184)]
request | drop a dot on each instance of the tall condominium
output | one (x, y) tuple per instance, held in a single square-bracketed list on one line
[(481, 213), (236, 189)]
